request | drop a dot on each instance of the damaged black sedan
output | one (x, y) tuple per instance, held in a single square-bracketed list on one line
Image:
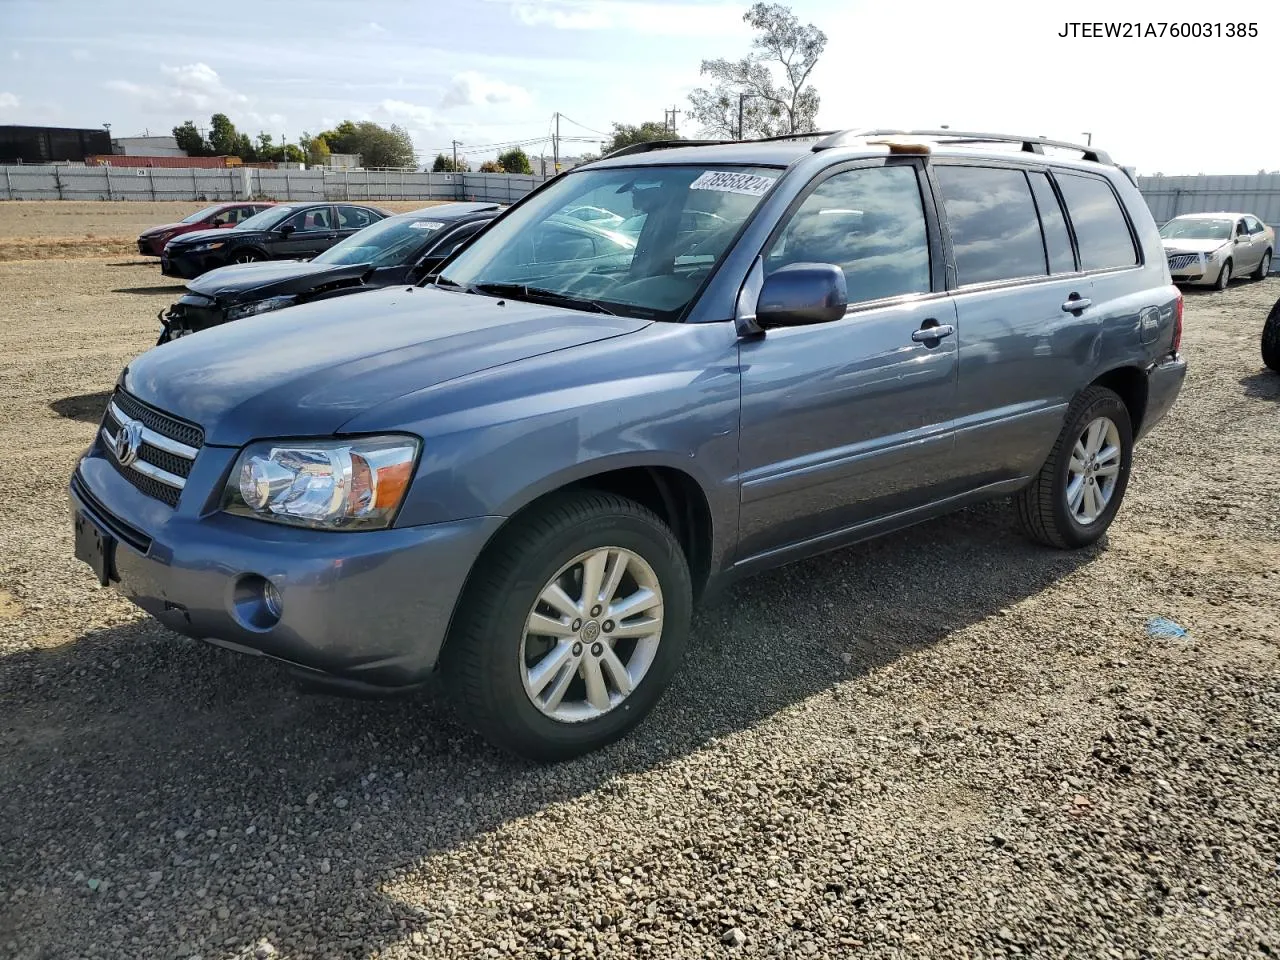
[(400, 249)]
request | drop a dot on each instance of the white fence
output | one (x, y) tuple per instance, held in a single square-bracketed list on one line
[(52, 182)]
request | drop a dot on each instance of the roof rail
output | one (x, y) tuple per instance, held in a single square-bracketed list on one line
[(649, 145), (1029, 144)]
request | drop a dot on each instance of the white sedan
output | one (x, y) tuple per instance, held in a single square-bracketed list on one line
[(1211, 248)]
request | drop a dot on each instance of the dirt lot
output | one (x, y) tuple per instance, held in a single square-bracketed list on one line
[(948, 743), (88, 228)]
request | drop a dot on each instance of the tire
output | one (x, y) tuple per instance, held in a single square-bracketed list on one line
[(1271, 339), (247, 256), (1044, 511), (490, 657), (1224, 276), (1264, 267)]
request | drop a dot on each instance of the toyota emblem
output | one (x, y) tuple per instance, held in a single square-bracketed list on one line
[(127, 441)]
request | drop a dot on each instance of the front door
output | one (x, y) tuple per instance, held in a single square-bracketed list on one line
[(313, 232), (847, 422)]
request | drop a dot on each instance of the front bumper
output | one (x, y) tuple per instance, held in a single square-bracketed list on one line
[(1195, 271), (1164, 383), (369, 610), (188, 266), (147, 247)]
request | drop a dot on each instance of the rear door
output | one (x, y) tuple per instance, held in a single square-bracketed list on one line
[(1248, 246), (352, 219), (1023, 312)]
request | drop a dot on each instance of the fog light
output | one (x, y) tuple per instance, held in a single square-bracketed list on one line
[(271, 597)]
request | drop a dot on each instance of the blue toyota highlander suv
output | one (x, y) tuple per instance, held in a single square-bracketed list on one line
[(527, 469)]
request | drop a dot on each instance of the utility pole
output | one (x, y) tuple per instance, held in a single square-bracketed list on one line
[(456, 145), (670, 120), (555, 146), (1089, 141), (741, 99)]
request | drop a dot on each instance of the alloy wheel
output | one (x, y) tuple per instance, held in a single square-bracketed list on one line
[(592, 635), (1093, 470)]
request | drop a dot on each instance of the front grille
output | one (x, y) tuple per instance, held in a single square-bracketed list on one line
[(1183, 260), (166, 447), (114, 525), (161, 423)]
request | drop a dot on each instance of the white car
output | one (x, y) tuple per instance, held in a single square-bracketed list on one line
[(1211, 248)]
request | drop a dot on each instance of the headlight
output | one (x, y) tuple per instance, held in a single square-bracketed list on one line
[(262, 306), (202, 247), (355, 484), (1213, 254)]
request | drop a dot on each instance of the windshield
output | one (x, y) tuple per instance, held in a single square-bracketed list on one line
[(204, 214), (387, 243), (267, 219), (666, 230), (1197, 230)]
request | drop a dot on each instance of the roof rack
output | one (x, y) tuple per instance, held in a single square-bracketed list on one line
[(649, 145), (1029, 144)]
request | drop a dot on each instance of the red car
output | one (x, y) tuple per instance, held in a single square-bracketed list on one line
[(152, 241)]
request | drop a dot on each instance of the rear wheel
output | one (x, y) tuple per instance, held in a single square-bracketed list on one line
[(572, 627), (247, 256), (1264, 267), (1074, 498), (1224, 276), (1271, 339)]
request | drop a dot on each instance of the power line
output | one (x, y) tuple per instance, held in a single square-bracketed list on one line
[(584, 126)]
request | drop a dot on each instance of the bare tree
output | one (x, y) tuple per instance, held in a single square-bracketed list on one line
[(746, 99)]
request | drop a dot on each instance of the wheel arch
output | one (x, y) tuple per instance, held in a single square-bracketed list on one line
[(1130, 384)]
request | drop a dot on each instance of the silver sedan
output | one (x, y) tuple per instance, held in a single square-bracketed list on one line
[(1212, 248)]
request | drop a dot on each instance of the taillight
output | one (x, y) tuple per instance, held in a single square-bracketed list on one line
[(1177, 323)]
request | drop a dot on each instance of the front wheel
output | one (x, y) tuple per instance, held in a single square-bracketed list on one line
[(1224, 276), (573, 625), (1264, 267), (1074, 498), (1271, 339), (247, 256)]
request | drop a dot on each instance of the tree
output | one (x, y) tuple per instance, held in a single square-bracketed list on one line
[(444, 164), (377, 146), (224, 140), (747, 88), (491, 166), (191, 140), (624, 134), (315, 149), (515, 160)]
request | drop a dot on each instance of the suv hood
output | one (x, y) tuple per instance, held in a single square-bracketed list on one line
[(246, 282), (1180, 245), (307, 370)]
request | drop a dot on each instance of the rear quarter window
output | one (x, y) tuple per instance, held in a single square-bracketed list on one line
[(1102, 230)]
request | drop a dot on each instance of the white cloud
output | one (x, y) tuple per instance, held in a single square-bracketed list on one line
[(408, 114), (371, 29), (8, 101), (632, 16), (192, 87), (80, 55), (472, 89), (15, 54)]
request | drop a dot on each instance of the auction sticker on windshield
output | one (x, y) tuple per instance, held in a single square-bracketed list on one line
[(750, 184), (426, 225)]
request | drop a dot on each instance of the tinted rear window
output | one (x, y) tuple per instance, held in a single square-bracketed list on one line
[(995, 233), (1057, 242), (1102, 232)]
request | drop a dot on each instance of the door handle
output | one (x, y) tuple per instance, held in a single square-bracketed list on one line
[(934, 333), (1075, 304)]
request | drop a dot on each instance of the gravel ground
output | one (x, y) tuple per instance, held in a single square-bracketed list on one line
[(947, 743)]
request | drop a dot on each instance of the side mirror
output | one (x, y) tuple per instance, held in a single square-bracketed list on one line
[(287, 229), (1241, 239), (800, 294)]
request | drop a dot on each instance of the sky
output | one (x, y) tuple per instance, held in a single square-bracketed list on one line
[(488, 72)]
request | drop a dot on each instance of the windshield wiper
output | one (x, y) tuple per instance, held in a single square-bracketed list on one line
[(522, 291), (448, 284)]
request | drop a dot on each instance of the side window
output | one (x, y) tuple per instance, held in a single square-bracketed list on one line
[(1057, 241), (225, 216), (1242, 228), (1102, 231), (452, 243), (1255, 225), (995, 232), (317, 219), (870, 222), (353, 218)]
